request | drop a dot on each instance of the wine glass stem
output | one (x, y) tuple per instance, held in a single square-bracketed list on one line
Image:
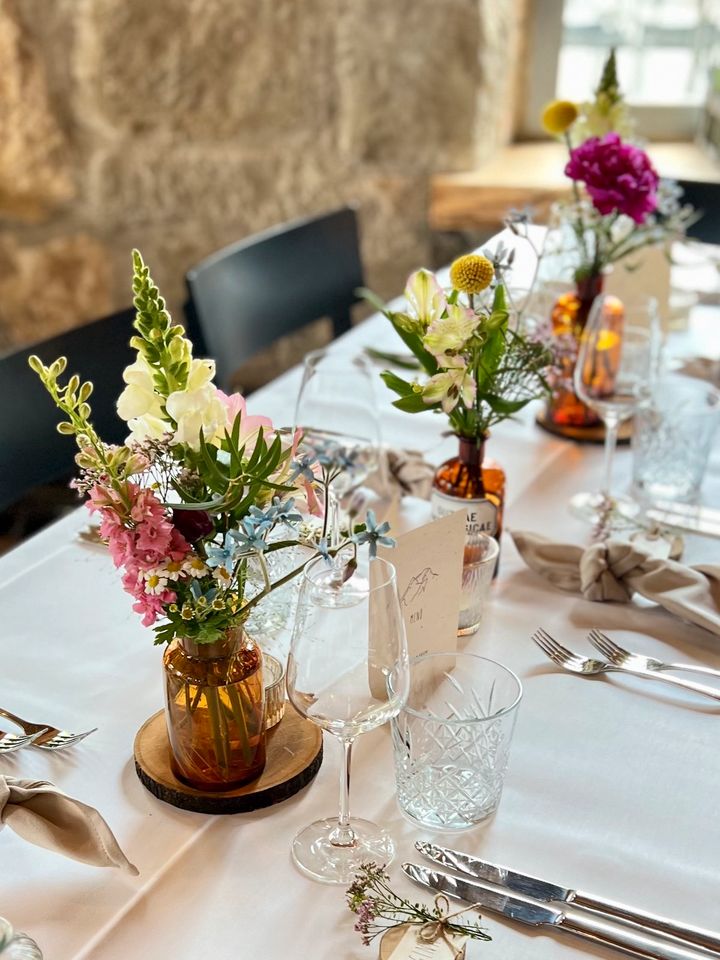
[(611, 432), (334, 520), (343, 835)]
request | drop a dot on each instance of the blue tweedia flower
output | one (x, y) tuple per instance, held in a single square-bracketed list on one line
[(251, 535), (302, 467), (284, 512), (222, 556), (322, 549), (333, 455), (374, 534)]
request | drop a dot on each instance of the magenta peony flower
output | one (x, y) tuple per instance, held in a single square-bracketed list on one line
[(617, 176)]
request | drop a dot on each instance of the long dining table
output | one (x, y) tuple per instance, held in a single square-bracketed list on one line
[(612, 787)]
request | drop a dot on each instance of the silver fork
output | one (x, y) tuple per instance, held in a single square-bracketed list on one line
[(621, 656), (45, 736), (9, 742), (588, 667)]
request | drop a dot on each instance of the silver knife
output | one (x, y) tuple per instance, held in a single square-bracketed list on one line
[(590, 926), (542, 890), (696, 520)]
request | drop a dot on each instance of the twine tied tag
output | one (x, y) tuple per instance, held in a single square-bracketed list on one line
[(427, 941)]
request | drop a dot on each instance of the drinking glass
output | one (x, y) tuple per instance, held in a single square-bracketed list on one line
[(337, 412), (671, 442), (347, 638), (451, 741), (481, 558), (615, 369)]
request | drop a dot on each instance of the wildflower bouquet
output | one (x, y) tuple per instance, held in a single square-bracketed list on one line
[(378, 909), (623, 205), (199, 489), (479, 370)]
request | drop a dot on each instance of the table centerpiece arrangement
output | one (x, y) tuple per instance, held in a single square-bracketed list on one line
[(478, 372), (199, 492), (619, 206)]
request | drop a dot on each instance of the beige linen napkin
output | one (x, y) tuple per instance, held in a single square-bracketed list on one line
[(37, 811), (404, 472), (615, 569)]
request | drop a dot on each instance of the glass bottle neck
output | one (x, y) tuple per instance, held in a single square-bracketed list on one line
[(472, 452)]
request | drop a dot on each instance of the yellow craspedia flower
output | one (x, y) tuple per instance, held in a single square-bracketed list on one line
[(471, 273), (559, 116)]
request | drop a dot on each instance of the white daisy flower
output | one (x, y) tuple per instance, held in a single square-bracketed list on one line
[(195, 566), (155, 582), (223, 577)]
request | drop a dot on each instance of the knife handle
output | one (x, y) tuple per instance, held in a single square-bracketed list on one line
[(694, 935), (712, 692), (619, 936)]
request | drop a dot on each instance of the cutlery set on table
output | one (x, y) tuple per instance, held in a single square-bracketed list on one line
[(619, 660), (539, 903), (41, 735)]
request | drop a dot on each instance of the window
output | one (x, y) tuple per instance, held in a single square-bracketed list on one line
[(666, 53)]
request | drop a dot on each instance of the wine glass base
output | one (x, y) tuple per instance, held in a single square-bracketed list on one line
[(318, 858), (593, 507)]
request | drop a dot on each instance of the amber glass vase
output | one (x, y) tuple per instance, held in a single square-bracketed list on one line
[(568, 317), (214, 706), (476, 484)]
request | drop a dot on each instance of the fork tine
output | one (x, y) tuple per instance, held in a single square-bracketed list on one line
[(557, 647), (10, 742), (610, 644), (64, 739), (540, 639), (603, 644)]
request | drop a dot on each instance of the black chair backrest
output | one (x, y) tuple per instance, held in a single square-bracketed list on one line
[(32, 452), (705, 197), (250, 294)]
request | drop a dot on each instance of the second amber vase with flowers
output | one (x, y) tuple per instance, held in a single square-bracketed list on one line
[(478, 371)]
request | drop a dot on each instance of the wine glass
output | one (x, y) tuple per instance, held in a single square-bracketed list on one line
[(337, 412), (347, 638), (616, 365)]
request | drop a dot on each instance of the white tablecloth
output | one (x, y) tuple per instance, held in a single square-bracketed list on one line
[(613, 785)]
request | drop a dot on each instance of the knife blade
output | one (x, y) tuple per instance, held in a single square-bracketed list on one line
[(545, 891), (590, 926), (697, 523)]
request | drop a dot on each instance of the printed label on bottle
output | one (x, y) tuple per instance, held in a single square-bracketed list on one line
[(481, 516)]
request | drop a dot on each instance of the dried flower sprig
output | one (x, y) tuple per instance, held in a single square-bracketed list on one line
[(378, 908)]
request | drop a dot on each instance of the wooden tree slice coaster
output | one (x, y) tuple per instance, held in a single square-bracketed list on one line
[(584, 434), (294, 755)]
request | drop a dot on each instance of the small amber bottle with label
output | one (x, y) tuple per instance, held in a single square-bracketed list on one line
[(476, 484)]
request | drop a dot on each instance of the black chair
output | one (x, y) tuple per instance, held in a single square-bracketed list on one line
[(245, 297), (705, 197), (32, 452)]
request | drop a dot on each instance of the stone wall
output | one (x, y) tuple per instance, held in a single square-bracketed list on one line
[(179, 126)]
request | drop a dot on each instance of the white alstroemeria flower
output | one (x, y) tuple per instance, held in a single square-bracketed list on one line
[(139, 404), (425, 296), (451, 332), (197, 407), (451, 385)]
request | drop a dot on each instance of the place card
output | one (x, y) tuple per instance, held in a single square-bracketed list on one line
[(428, 561), (646, 273), (402, 943)]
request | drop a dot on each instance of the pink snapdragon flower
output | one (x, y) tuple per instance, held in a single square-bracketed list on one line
[(617, 176), (140, 537)]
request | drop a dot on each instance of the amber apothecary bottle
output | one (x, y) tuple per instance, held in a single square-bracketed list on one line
[(472, 482)]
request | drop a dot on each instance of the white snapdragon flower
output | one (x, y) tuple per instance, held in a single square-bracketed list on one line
[(197, 407), (139, 405)]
